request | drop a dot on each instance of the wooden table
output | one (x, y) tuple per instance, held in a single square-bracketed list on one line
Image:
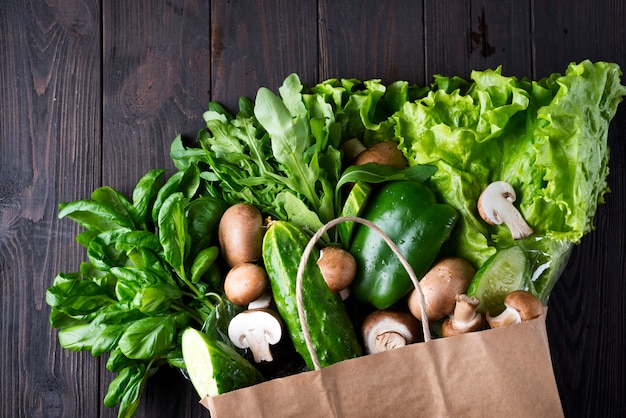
[(93, 92)]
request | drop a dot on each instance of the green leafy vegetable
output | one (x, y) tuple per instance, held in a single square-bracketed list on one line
[(150, 274), (546, 138)]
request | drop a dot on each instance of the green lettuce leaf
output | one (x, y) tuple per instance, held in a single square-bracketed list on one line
[(547, 138)]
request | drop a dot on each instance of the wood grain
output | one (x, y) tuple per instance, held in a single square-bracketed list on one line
[(256, 44), (49, 104), (371, 39), (92, 92), (156, 78)]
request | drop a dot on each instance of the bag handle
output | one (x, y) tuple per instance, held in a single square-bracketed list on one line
[(305, 257)]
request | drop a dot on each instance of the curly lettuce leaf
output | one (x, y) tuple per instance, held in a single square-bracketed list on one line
[(547, 138)]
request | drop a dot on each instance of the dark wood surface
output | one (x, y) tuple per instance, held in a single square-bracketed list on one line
[(93, 92)]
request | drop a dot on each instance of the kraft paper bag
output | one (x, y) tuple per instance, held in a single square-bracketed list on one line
[(501, 372)]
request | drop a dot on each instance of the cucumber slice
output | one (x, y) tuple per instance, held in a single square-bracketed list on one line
[(214, 367), (504, 272)]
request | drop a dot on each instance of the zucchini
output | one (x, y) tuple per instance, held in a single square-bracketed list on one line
[(331, 330), (214, 367)]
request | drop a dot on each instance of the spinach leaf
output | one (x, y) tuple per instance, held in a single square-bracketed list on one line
[(173, 231), (148, 337)]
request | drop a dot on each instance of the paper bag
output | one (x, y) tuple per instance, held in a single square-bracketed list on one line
[(502, 372)]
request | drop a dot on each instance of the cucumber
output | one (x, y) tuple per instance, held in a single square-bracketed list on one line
[(331, 330), (214, 367), (505, 271)]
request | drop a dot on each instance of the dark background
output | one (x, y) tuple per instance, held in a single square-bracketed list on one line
[(93, 92)]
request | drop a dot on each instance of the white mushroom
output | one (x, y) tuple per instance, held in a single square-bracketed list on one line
[(520, 305), (495, 206), (389, 329), (263, 301), (465, 318), (256, 329)]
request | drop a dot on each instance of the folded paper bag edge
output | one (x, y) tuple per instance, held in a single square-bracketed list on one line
[(424, 384)]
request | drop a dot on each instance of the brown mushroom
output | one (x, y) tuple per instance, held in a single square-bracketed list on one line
[(240, 234), (256, 329), (388, 329), (520, 305), (385, 152), (338, 267), (352, 148), (441, 284), (495, 206), (245, 283), (464, 319)]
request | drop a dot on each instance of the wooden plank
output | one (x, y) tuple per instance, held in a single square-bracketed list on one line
[(372, 39), (49, 152), (586, 339), (256, 44), (156, 71), (463, 35), (156, 78)]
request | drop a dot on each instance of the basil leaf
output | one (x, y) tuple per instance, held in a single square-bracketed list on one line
[(117, 361), (173, 230), (148, 337), (203, 261), (132, 394), (117, 387), (156, 298), (107, 339), (94, 215), (145, 193), (204, 214), (79, 337), (78, 297)]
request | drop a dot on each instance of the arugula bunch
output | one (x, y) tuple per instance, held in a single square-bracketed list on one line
[(151, 272), (282, 154)]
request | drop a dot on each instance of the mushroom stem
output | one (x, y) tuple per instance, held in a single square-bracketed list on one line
[(256, 329), (495, 206), (520, 305), (465, 318), (507, 317), (465, 308)]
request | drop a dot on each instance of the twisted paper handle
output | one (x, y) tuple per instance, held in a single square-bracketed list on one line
[(307, 253)]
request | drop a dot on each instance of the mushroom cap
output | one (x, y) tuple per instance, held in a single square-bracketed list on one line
[(524, 302), (520, 305), (440, 285), (338, 267), (256, 329), (245, 283), (495, 206), (385, 152), (387, 329), (490, 202)]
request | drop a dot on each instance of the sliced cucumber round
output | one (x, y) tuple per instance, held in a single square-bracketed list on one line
[(504, 272)]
